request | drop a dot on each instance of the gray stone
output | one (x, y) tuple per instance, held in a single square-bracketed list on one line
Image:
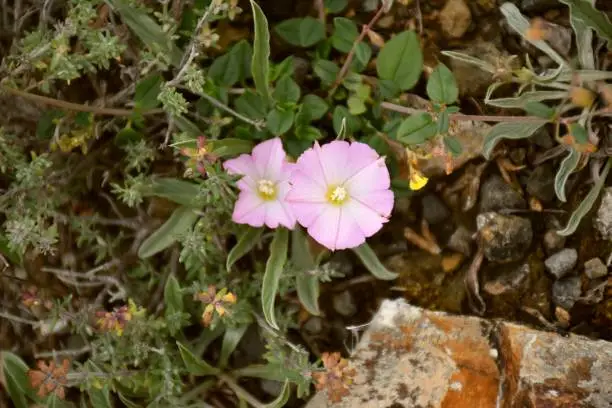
[(562, 262), (553, 242), (461, 241), (496, 194), (504, 238), (434, 210), (541, 183), (595, 268), (511, 282), (603, 220), (344, 303), (313, 326), (566, 291), (455, 18)]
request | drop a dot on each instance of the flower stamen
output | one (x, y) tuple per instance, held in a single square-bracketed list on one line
[(266, 189), (337, 195)]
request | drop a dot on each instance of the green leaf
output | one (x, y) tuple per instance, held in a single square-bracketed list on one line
[(417, 129), (14, 373), (401, 60), (195, 365), (341, 113), (46, 123), (579, 133), (509, 130), (249, 238), (567, 167), (187, 126), (127, 136), (231, 338), (441, 85), (99, 398), (272, 275), (587, 203), (260, 65), (583, 10), (584, 40), (539, 109), (282, 399), (524, 99), (327, 71), (225, 70), (286, 90), (345, 33), (147, 30), (251, 105), (314, 106), (179, 191), (443, 123), (363, 53), (229, 147), (335, 6), (485, 66), (453, 145), (147, 90), (372, 263), (285, 68), (173, 297), (310, 133), (520, 24), (301, 32), (356, 105), (181, 220), (279, 121), (127, 402), (307, 284)]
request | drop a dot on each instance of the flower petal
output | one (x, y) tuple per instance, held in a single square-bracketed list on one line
[(269, 157), (278, 213), (361, 155), (249, 209), (244, 166), (309, 164), (334, 158), (381, 201), (349, 234), (307, 213), (373, 177), (324, 229), (369, 221), (305, 189)]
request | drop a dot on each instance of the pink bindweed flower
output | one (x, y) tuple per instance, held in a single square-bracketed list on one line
[(341, 193), (263, 187)]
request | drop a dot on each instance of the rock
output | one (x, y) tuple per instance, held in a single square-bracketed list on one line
[(566, 291), (541, 183), (536, 6), (595, 268), (496, 194), (509, 282), (455, 18), (603, 220), (553, 242), (434, 210), (562, 262), (410, 357), (543, 138), (461, 241), (505, 238), (470, 81), (313, 326), (344, 303)]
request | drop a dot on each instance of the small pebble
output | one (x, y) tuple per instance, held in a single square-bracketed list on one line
[(566, 291), (504, 238), (595, 268), (496, 194), (461, 241), (562, 262), (553, 242), (313, 326), (344, 303), (434, 210), (455, 18), (603, 220)]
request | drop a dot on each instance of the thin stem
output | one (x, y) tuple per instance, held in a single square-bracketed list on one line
[(69, 352), (229, 110), (351, 54), (76, 106), (18, 319), (321, 10), (241, 392)]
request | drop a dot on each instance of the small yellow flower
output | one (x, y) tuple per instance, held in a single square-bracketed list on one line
[(215, 302), (417, 180)]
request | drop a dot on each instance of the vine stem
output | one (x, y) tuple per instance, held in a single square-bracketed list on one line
[(351, 54), (76, 106)]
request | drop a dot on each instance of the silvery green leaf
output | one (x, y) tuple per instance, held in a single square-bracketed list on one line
[(585, 75), (586, 204), (274, 269), (522, 100), (584, 40), (568, 165), (509, 130), (585, 11), (485, 66), (520, 24)]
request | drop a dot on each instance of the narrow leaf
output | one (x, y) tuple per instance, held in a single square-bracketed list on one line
[(195, 365), (584, 11), (260, 65), (587, 203), (14, 378), (584, 40), (282, 399), (246, 242), (539, 109), (485, 66), (272, 275), (372, 263), (567, 167), (307, 284), (179, 222), (522, 100), (231, 338), (228, 147), (179, 191), (173, 296), (99, 398), (509, 130)]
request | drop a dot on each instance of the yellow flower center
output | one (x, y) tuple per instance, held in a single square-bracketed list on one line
[(266, 189), (337, 195)]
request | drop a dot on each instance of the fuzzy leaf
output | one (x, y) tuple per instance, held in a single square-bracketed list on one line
[(99, 398), (231, 338), (246, 242), (567, 167), (229, 147), (179, 222), (195, 365), (509, 130), (372, 263), (525, 98), (307, 285), (14, 376), (179, 191), (272, 275), (260, 65), (173, 296), (585, 11)]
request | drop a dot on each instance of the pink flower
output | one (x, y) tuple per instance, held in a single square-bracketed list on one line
[(341, 193), (263, 187)]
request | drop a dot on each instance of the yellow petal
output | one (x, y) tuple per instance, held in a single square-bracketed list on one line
[(417, 180), (229, 298)]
